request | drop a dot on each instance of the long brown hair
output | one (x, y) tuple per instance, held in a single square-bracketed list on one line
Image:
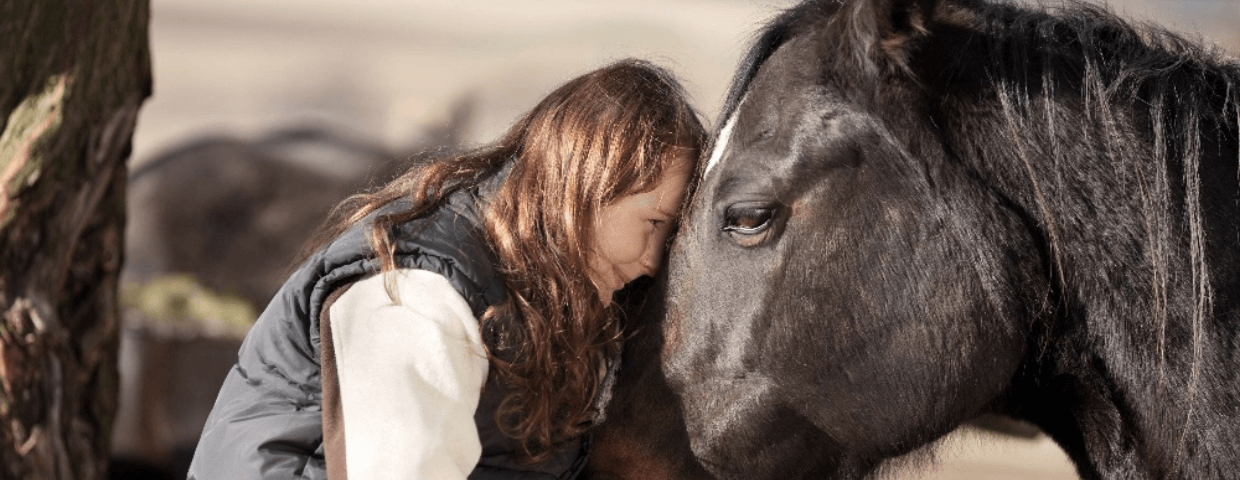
[(606, 134)]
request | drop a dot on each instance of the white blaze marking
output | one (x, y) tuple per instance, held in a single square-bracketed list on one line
[(722, 143)]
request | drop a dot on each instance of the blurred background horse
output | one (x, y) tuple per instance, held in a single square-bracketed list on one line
[(214, 227)]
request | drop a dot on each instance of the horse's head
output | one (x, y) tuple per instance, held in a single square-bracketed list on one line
[(842, 292)]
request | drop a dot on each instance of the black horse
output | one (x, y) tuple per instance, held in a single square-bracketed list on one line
[(919, 211)]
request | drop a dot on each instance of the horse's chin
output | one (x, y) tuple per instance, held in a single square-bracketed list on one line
[(735, 430)]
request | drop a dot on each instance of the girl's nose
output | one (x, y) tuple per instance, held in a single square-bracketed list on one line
[(653, 255)]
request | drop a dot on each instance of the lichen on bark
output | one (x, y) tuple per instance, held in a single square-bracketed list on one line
[(33, 120)]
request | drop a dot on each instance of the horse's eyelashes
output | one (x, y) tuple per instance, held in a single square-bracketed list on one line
[(748, 223)]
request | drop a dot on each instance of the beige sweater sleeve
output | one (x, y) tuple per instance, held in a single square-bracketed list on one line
[(408, 375)]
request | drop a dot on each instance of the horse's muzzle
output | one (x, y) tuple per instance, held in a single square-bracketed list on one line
[(736, 422)]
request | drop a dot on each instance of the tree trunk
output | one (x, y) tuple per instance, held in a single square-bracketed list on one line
[(72, 76)]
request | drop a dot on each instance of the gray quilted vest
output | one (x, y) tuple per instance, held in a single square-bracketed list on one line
[(266, 422)]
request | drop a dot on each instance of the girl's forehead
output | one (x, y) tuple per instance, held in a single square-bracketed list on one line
[(670, 191), (666, 195)]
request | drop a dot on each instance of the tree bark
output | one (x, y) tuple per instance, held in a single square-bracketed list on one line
[(73, 74)]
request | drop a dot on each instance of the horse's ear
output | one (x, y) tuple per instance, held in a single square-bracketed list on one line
[(882, 33)]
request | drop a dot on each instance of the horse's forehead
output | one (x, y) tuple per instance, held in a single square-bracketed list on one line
[(761, 109), (721, 144), (795, 64), (777, 97)]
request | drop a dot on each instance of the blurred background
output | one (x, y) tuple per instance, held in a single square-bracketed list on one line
[(267, 112)]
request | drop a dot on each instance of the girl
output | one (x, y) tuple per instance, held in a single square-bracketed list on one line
[(458, 321)]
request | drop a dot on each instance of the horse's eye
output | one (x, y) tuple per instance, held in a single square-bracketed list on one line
[(748, 220)]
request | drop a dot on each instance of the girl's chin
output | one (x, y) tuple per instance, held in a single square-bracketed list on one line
[(607, 288)]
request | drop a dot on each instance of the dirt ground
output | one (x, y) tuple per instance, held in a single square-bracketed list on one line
[(387, 70)]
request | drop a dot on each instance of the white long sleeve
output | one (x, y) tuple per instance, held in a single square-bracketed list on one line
[(410, 376)]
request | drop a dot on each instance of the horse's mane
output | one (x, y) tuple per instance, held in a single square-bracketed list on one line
[(1158, 110), (1142, 50), (1152, 103)]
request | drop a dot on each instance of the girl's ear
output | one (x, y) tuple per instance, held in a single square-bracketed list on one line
[(880, 35)]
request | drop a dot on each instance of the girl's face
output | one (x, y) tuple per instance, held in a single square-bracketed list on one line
[(631, 232)]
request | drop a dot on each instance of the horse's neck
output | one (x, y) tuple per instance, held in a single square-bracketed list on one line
[(1123, 413)]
